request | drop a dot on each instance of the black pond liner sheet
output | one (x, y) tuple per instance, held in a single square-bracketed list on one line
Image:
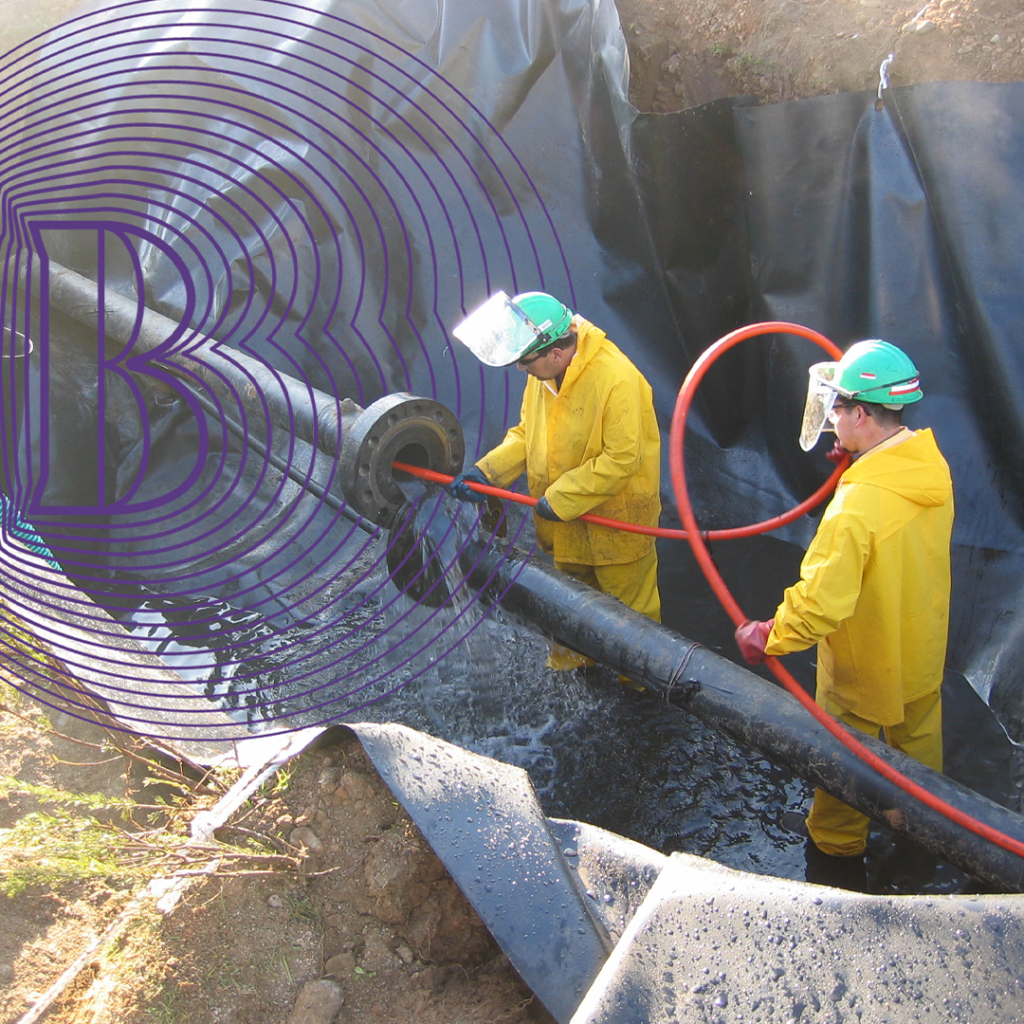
[(607, 931), (331, 189)]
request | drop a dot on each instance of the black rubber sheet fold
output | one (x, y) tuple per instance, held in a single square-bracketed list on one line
[(607, 931)]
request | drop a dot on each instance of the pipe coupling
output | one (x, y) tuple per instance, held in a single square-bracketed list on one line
[(399, 426)]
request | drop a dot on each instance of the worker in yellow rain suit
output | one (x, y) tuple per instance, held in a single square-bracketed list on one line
[(588, 440), (875, 582)]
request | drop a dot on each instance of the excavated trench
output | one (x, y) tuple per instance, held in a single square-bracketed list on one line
[(474, 674), (711, 218)]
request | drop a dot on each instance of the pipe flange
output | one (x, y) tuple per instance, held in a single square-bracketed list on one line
[(399, 426)]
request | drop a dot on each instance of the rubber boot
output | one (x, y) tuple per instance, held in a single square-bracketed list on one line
[(838, 872), (564, 659), (905, 867)]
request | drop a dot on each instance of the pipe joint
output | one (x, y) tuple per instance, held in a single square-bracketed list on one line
[(399, 426)]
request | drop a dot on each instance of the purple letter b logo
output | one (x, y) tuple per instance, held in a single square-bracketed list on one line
[(117, 366)]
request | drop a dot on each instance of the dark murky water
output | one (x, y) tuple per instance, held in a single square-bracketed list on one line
[(595, 751)]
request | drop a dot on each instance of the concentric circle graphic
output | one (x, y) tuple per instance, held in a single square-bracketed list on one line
[(235, 238)]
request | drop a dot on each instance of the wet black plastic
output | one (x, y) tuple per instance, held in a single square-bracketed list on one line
[(756, 713), (607, 931), (485, 822)]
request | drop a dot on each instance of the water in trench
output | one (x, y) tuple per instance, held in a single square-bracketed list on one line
[(596, 751)]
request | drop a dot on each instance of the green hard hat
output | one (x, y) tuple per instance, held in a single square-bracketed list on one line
[(870, 371), (549, 317), (873, 371), (502, 331)]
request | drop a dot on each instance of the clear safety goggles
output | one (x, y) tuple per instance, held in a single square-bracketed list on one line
[(498, 333), (821, 397)]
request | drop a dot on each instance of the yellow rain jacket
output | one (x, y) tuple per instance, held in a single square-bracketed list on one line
[(592, 445), (874, 584)]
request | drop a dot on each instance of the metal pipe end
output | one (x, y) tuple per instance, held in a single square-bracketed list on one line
[(399, 426)]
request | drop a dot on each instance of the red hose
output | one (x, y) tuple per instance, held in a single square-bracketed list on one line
[(651, 531), (700, 551)]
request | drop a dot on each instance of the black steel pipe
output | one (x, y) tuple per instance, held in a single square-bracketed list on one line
[(416, 430), (754, 712), (304, 480)]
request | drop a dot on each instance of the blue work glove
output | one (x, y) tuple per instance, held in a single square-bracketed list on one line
[(458, 489), (545, 511)]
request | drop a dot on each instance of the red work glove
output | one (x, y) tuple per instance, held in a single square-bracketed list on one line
[(837, 453), (751, 637)]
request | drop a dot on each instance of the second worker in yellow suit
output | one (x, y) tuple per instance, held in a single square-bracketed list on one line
[(588, 440), (874, 584)]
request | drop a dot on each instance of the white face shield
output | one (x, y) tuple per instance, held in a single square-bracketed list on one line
[(821, 396), (498, 333)]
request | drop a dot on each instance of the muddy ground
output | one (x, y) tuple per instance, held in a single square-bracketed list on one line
[(319, 894), (340, 892), (687, 52)]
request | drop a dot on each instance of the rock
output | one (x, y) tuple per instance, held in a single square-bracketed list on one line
[(673, 64), (341, 966), (376, 954), (387, 864), (318, 1003), (6, 974), (919, 28), (391, 871), (405, 954), (275, 901), (305, 836), (355, 786), (231, 887)]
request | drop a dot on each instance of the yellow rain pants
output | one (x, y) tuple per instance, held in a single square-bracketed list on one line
[(634, 584), (837, 828)]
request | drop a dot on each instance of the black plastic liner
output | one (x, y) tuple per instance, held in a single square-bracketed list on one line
[(607, 931), (342, 185)]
